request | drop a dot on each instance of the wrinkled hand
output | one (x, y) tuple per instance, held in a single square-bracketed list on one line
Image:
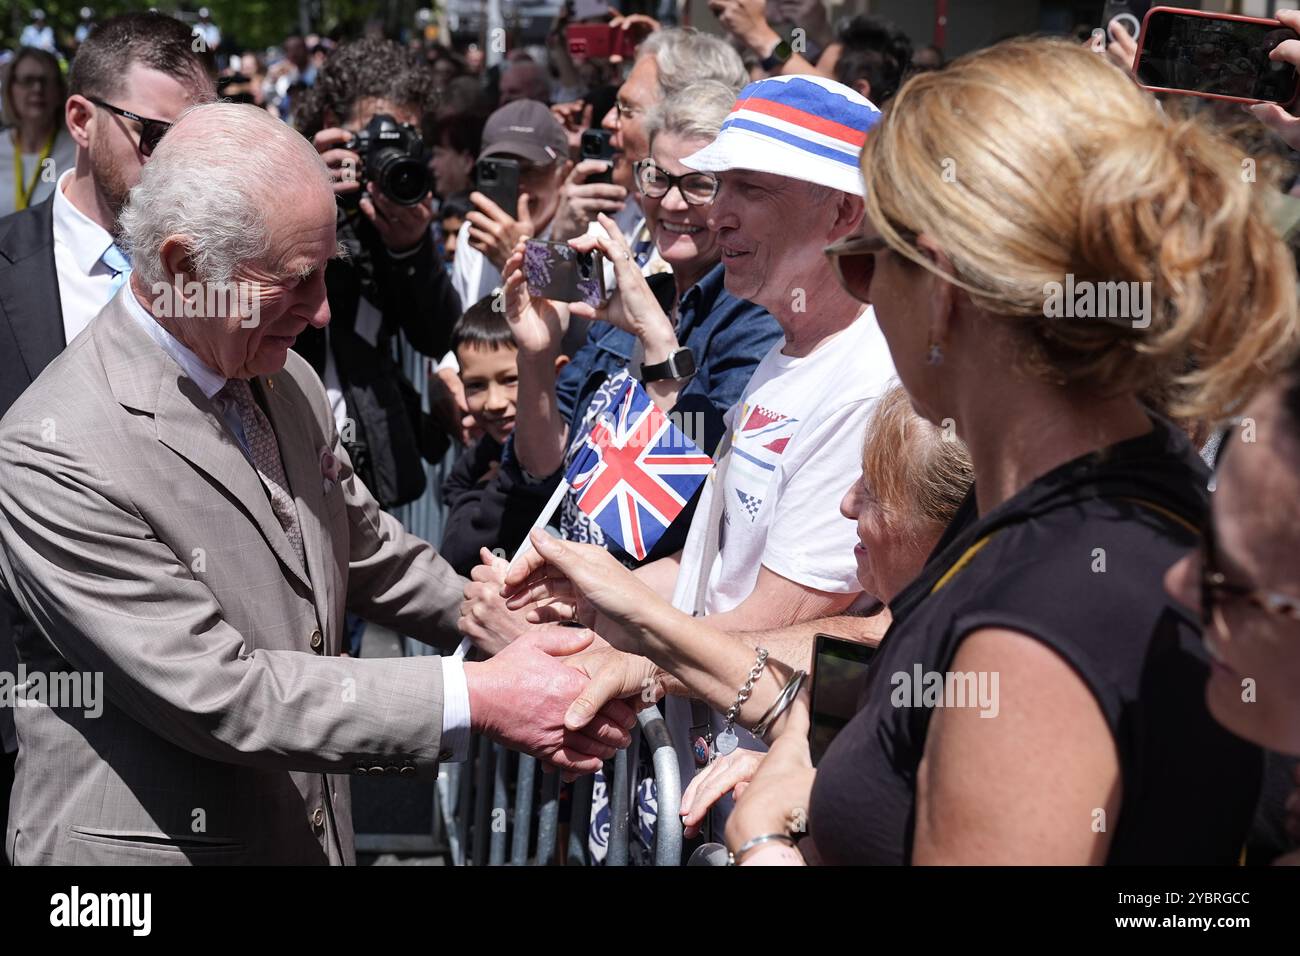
[(1271, 115), (581, 201), (638, 26), (521, 696), (613, 675), (728, 774), (633, 307), (777, 798), (581, 582), (484, 617), (493, 232), (537, 324)]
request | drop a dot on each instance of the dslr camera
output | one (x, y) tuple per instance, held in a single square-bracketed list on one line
[(392, 155)]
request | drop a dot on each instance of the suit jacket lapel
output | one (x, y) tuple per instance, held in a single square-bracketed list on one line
[(144, 377), (29, 296), (301, 459)]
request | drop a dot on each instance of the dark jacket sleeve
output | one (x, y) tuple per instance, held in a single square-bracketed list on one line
[(417, 292), (495, 514)]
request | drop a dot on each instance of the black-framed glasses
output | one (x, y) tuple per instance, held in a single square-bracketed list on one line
[(853, 260), (151, 130), (1215, 586), (698, 189)]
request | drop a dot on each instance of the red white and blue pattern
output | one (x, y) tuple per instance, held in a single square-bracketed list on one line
[(803, 127), (636, 471)]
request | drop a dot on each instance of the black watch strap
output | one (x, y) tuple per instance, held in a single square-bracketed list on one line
[(680, 364), (780, 53)]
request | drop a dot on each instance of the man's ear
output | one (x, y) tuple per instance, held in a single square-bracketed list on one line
[(863, 86), (175, 255), (78, 113), (848, 216)]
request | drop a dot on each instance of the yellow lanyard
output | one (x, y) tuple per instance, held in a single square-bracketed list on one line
[(23, 193)]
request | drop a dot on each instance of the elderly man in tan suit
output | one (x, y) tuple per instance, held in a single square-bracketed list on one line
[(177, 514)]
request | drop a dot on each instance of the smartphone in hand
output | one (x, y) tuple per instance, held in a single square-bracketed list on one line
[(498, 179), (1218, 56), (557, 271)]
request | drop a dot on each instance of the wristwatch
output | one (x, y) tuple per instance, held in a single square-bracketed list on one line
[(680, 364), (780, 53)]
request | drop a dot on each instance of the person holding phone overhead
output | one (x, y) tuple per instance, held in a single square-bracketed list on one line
[(524, 138)]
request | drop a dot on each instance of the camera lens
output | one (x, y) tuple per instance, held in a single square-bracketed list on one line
[(403, 179)]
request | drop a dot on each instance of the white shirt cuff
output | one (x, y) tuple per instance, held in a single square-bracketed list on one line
[(455, 709)]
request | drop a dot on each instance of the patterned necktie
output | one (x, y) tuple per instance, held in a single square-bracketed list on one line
[(265, 452), (116, 260)]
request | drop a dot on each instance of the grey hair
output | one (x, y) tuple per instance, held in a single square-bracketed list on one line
[(212, 179), (693, 112), (685, 56)]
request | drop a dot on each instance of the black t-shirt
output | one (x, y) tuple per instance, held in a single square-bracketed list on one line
[(1033, 565)]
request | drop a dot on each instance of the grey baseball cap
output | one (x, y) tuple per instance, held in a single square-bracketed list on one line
[(525, 128)]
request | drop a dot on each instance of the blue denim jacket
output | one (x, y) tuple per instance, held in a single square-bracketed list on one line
[(728, 337)]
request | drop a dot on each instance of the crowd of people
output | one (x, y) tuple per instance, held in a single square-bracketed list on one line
[(837, 268)]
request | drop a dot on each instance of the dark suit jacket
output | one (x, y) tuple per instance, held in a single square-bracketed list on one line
[(31, 335)]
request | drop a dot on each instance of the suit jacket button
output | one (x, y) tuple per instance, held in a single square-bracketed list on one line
[(375, 771), (407, 771), (318, 817), (316, 640), (359, 770)]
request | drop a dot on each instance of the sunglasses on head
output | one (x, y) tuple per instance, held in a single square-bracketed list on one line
[(151, 130)]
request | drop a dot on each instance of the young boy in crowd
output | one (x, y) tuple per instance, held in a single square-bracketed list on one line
[(486, 510)]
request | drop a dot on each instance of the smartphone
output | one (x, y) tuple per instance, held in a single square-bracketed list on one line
[(498, 179), (838, 676), (557, 271), (1218, 56), (597, 41), (596, 145)]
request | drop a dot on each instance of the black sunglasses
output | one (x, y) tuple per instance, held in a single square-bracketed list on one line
[(853, 260), (151, 130)]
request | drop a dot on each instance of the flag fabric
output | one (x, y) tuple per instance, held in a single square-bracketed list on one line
[(635, 471)]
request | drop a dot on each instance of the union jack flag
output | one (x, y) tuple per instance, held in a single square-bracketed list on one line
[(635, 471)]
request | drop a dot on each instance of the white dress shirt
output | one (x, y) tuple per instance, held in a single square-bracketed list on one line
[(455, 690), (85, 283)]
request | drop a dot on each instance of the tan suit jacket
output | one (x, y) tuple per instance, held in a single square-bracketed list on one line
[(138, 537)]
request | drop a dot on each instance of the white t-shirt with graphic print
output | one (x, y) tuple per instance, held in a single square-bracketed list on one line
[(796, 449)]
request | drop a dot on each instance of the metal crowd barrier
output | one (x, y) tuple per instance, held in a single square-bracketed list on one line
[(473, 799), (480, 819)]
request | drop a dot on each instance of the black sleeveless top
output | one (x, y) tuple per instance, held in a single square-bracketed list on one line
[(1032, 565)]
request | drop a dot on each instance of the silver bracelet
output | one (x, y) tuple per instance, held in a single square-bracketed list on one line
[(727, 740), (735, 858), (780, 705)]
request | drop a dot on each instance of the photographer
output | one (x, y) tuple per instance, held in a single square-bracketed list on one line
[(392, 277)]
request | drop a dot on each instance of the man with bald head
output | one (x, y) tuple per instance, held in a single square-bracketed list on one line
[(181, 523)]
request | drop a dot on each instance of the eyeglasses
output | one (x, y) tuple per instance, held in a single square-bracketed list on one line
[(1216, 589), (625, 111), (853, 260), (151, 130), (698, 189)]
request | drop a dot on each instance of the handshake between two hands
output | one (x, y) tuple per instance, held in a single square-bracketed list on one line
[(560, 693)]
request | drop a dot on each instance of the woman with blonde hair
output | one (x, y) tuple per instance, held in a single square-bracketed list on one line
[(1040, 253), (36, 146), (1009, 214)]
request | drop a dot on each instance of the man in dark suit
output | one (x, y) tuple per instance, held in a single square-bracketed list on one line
[(59, 263)]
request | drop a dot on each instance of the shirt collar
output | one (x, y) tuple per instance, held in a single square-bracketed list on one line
[(73, 228), (208, 381)]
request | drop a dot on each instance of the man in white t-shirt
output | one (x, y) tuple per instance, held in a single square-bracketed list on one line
[(768, 545)]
